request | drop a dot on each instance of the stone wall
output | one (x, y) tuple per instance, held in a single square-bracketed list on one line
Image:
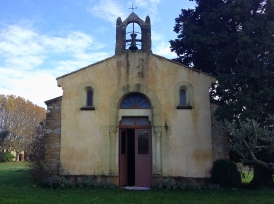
[(53, 135), (219, 138)]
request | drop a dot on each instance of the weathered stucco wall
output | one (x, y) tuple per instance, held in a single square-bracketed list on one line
[(181, 137)]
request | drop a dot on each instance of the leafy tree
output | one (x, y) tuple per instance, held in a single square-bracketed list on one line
[(21, 117), (254, 145), (232, 39)]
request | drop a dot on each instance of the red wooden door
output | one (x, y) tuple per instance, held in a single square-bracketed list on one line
[(143, 158), (123, 158)]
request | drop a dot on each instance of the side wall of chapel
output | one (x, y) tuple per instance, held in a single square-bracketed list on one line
[(53, 135)]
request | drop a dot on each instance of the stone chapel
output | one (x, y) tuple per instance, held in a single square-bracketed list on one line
[(134, 118)]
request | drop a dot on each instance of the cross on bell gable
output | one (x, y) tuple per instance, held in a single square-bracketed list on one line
[(132, 8), (145, 34)]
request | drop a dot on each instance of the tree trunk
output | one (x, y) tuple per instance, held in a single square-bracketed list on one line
[(262, 177), (17, 156)]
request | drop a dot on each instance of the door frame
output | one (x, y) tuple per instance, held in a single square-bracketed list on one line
[(123, 128)]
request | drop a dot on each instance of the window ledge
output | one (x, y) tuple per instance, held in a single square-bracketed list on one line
[(87, 108), (184, 107)]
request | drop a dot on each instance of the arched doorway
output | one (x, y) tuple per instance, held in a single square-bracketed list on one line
[(135, 143)]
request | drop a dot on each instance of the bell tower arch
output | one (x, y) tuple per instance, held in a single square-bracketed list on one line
[(122, 41)]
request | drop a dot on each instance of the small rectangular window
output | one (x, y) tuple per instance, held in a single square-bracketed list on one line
[(127, 121), (89, 97), (143, 142), (182, 98), (142, 121)]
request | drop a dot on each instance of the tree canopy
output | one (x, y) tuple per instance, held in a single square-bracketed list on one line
[(233, 40), (21, 118)]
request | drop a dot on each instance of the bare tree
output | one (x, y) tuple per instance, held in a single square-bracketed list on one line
[(21, 118), (3, 135)]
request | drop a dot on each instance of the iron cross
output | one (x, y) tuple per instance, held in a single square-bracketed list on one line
[(132, 8)]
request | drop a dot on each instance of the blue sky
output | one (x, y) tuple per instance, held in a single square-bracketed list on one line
[(43, 39)]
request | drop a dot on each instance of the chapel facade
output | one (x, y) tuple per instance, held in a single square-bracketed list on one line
[(133, 118)]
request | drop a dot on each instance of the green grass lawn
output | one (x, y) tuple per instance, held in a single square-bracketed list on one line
[(16, 187)]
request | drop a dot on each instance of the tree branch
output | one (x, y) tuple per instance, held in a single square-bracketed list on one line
[(255, 160), (263, 147)]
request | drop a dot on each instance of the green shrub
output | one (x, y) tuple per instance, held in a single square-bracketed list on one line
[(189, 186), (55, 181), (225, 173), (106, 184), (168, 184), (90, 182), (86, 182), (6, 156)]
